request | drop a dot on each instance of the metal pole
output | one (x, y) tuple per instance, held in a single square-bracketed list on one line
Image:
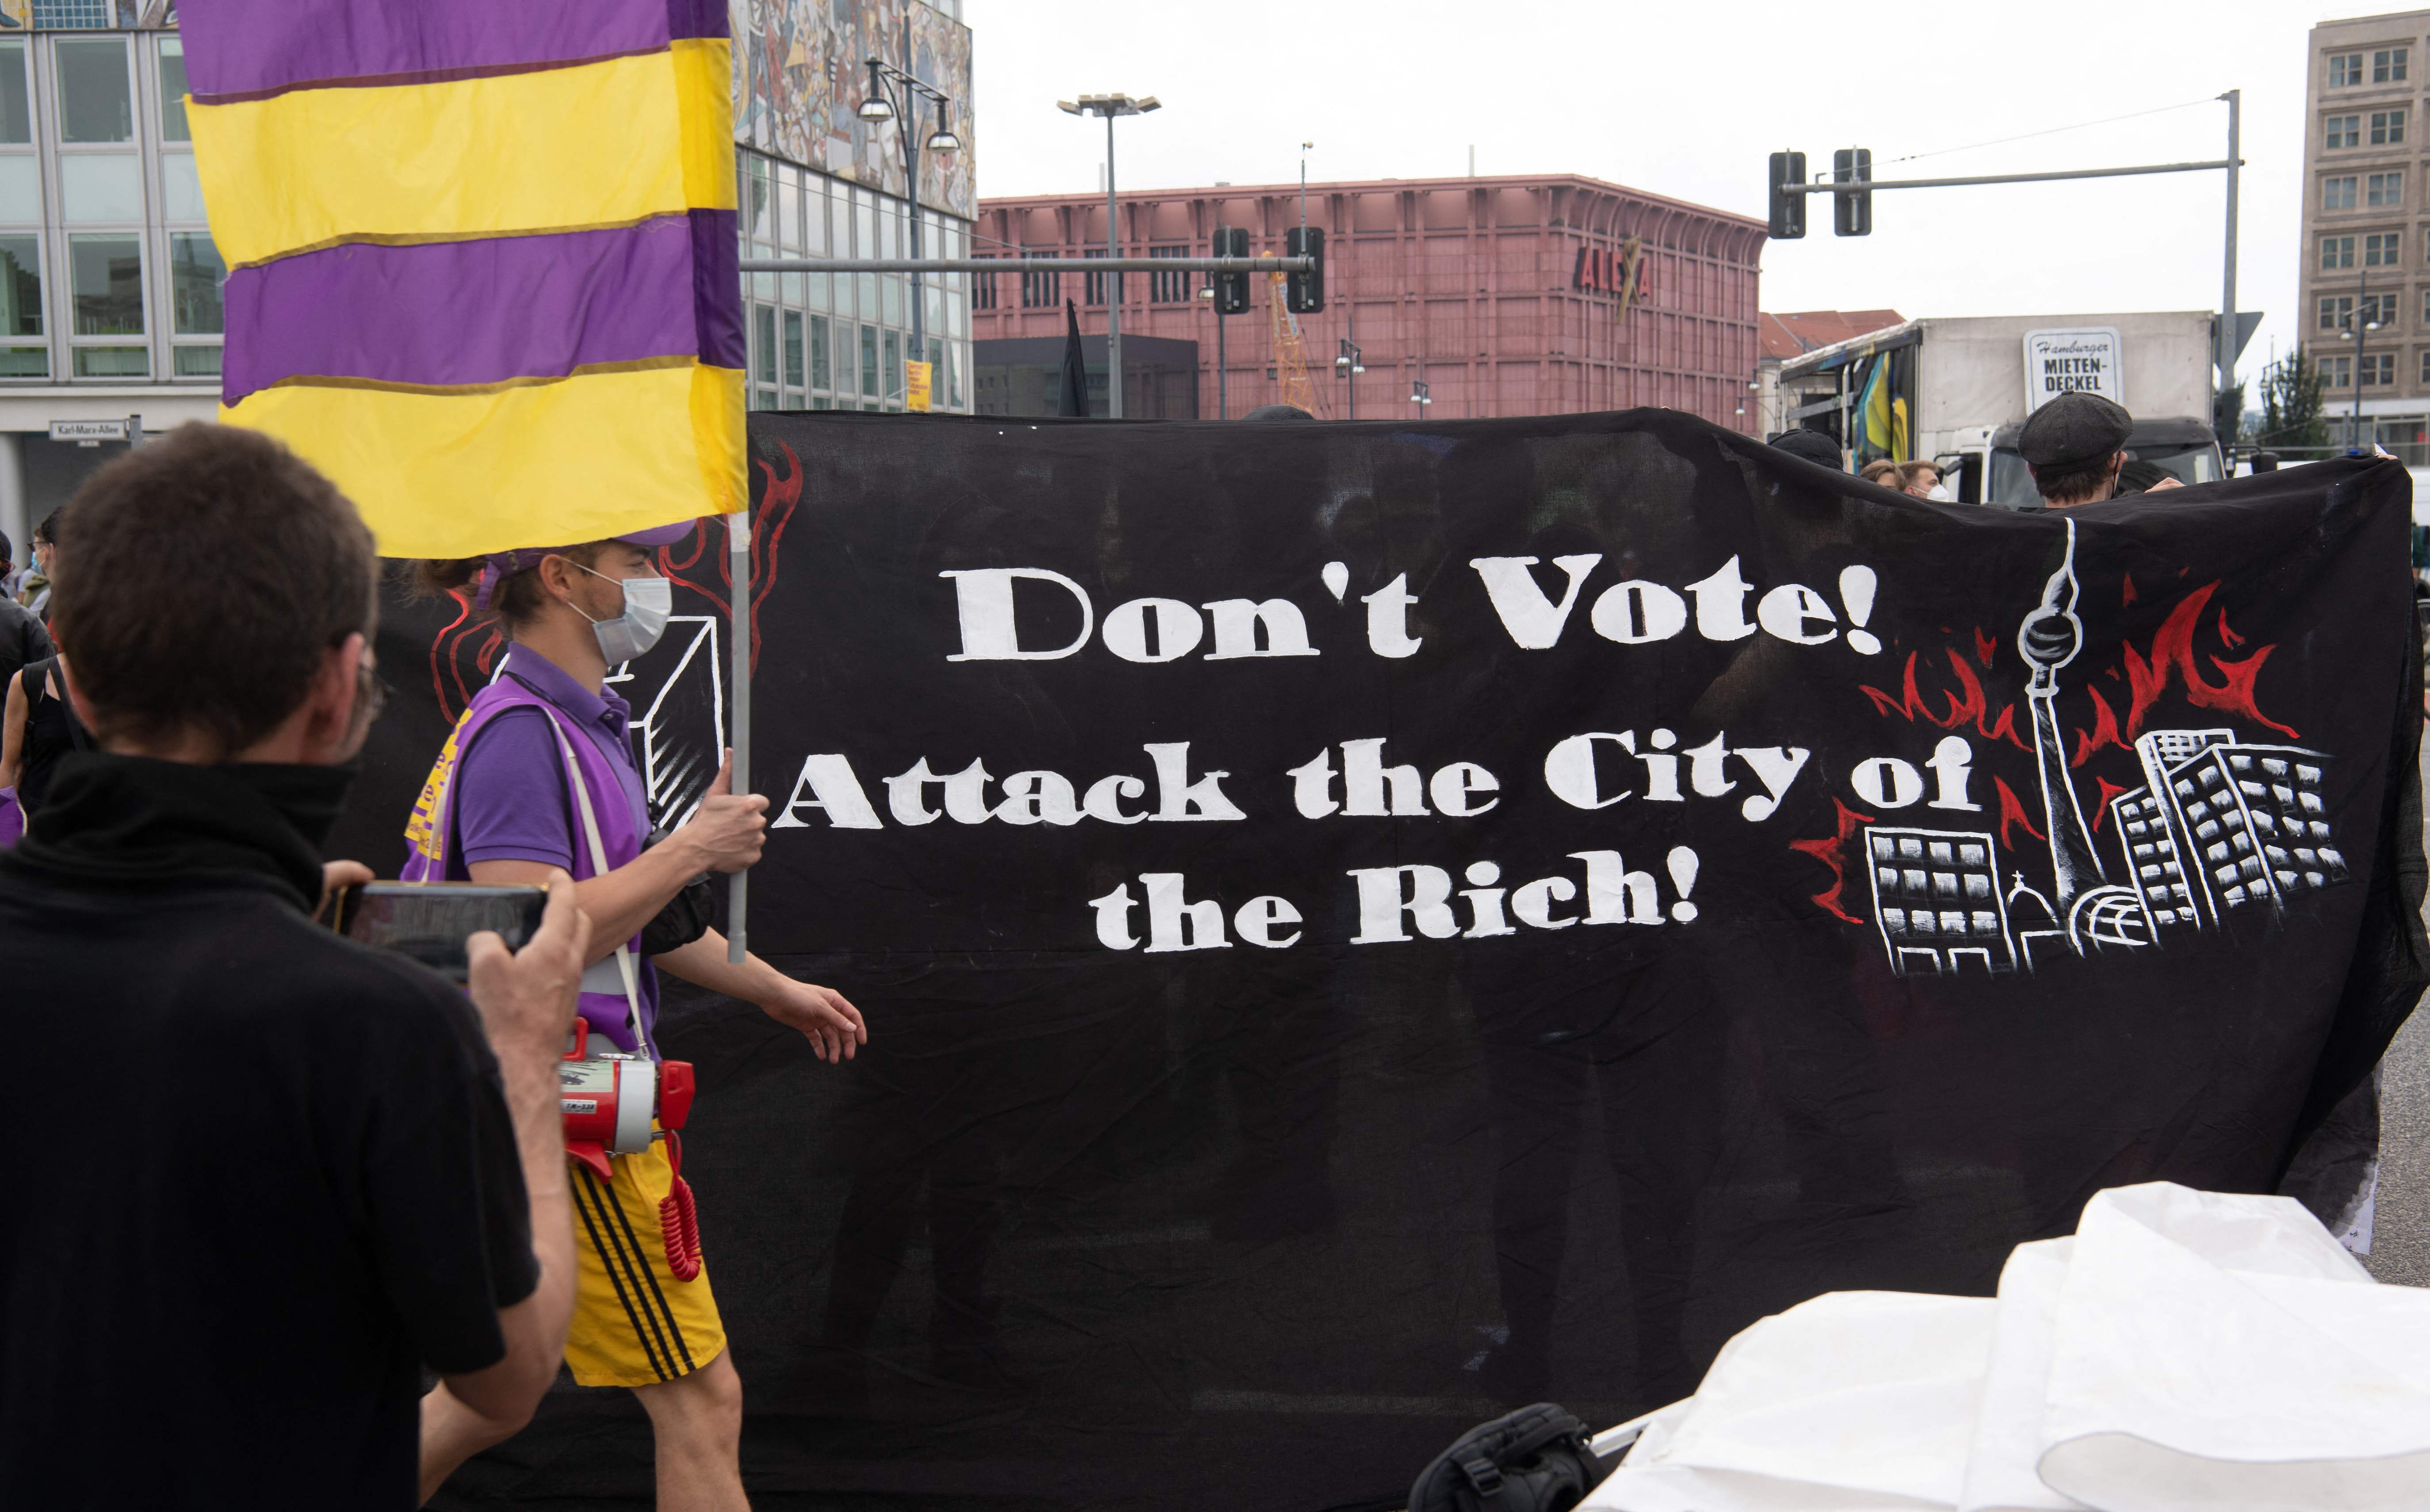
[(911, 155), (2361, 329), (1879, 183), (738, 549), (1113, 289), (1223, 373), (2235, 99), (1004, 265)]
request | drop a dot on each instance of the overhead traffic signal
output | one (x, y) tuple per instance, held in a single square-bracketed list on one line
[(1852, 211), (1231, 288), (1304, 292), (1787, 210)]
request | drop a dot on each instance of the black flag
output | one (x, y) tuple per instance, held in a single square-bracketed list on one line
[(1073, 392)]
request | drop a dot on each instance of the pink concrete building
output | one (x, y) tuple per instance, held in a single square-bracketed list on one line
[(1511, 296)]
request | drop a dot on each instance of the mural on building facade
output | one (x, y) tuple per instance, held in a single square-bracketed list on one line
[(800, 74)]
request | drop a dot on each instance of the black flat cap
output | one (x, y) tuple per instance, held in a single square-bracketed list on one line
[(1813, 447), (1278, 412), (2072, 429)]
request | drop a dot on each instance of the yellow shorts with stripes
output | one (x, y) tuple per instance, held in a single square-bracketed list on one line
[(634, 1324)]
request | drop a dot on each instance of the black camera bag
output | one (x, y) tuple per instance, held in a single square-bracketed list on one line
[(1535, 1459)]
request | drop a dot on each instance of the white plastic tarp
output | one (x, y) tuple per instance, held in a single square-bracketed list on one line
[(2185, 1350)]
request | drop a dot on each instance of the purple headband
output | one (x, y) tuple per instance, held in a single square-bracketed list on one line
[(500, 565)]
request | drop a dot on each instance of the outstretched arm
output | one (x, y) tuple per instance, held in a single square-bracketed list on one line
[(826, 1017)]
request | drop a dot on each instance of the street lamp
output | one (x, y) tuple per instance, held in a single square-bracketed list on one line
[(1349, 363), (1110, 106), (887, 85), (2347, 333), (1418, 393)]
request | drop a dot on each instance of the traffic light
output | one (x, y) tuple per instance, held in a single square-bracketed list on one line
[(1787, 210), (1852, 211), (1304, 292), (1231, 288)]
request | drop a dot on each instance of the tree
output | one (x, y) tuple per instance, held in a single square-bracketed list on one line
[(2227, 414), (2293, 413)]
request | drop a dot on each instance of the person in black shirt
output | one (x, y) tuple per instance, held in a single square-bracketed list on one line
[(23, 638), (269, 1175)]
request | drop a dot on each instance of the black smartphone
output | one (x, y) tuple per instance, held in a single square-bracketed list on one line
[(430, 921)]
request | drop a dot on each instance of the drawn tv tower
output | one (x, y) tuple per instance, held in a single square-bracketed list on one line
[(2049, 640)]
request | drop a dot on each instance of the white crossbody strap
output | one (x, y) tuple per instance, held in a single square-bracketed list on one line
[(599, 868)]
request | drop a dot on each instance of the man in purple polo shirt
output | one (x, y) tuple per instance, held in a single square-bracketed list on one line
[(501, 808)]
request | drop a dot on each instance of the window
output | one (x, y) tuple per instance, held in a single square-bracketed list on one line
[(763, 342), (822, 358), (101, 185), (2338, 310), (1168, 287), (21, 308), (72, 15), (106, 287), (2386, 190), (2386, 127), (2380, 251), (2378, 369), (1040, 289), (1094, 295), (2338, 194), (2378, 309), (2336, 371), (757, 215), (2337, 252), (2425, 365), (869, 366), (983, 288), (16, 100), (2387, 65), (2345, 131), (2345, 70), (197, 275), (96, 98), (173, 91), (894, 369), (794, 374)]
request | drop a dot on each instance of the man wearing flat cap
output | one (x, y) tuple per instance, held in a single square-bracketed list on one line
[(2075, 445)]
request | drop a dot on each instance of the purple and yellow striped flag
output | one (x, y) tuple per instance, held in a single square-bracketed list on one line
[(481, 254)]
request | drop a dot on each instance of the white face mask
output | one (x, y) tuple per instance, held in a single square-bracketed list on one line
[(648, 601), (1940, 491)]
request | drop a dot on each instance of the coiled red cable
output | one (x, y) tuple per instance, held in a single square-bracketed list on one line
[(678, 1223)]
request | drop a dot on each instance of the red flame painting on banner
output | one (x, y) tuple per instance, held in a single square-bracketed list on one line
[(1967, 705), (2172, 659), (1827, 851), (2013, 812)]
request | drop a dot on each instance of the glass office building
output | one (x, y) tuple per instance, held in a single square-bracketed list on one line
[(839, 341)]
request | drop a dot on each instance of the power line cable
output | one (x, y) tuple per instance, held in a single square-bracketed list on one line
[(2050, 131)]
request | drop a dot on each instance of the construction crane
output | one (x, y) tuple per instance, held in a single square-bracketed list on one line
[(1291, 352)]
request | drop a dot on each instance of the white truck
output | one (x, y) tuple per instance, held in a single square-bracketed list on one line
[(1963, 386)]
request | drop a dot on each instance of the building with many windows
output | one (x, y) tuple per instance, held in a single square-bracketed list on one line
[(2366, 228), (1489, 296), (817, 181), (109, 284)]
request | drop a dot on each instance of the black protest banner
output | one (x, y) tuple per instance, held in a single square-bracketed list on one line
[(1361, 925)]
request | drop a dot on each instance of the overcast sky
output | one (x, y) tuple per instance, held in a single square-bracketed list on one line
[(1687, 100)]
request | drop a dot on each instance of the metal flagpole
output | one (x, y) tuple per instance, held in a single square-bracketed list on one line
[(737, 550)]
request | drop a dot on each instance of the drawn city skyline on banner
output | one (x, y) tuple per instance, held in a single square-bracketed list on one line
[(2219, 824)]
